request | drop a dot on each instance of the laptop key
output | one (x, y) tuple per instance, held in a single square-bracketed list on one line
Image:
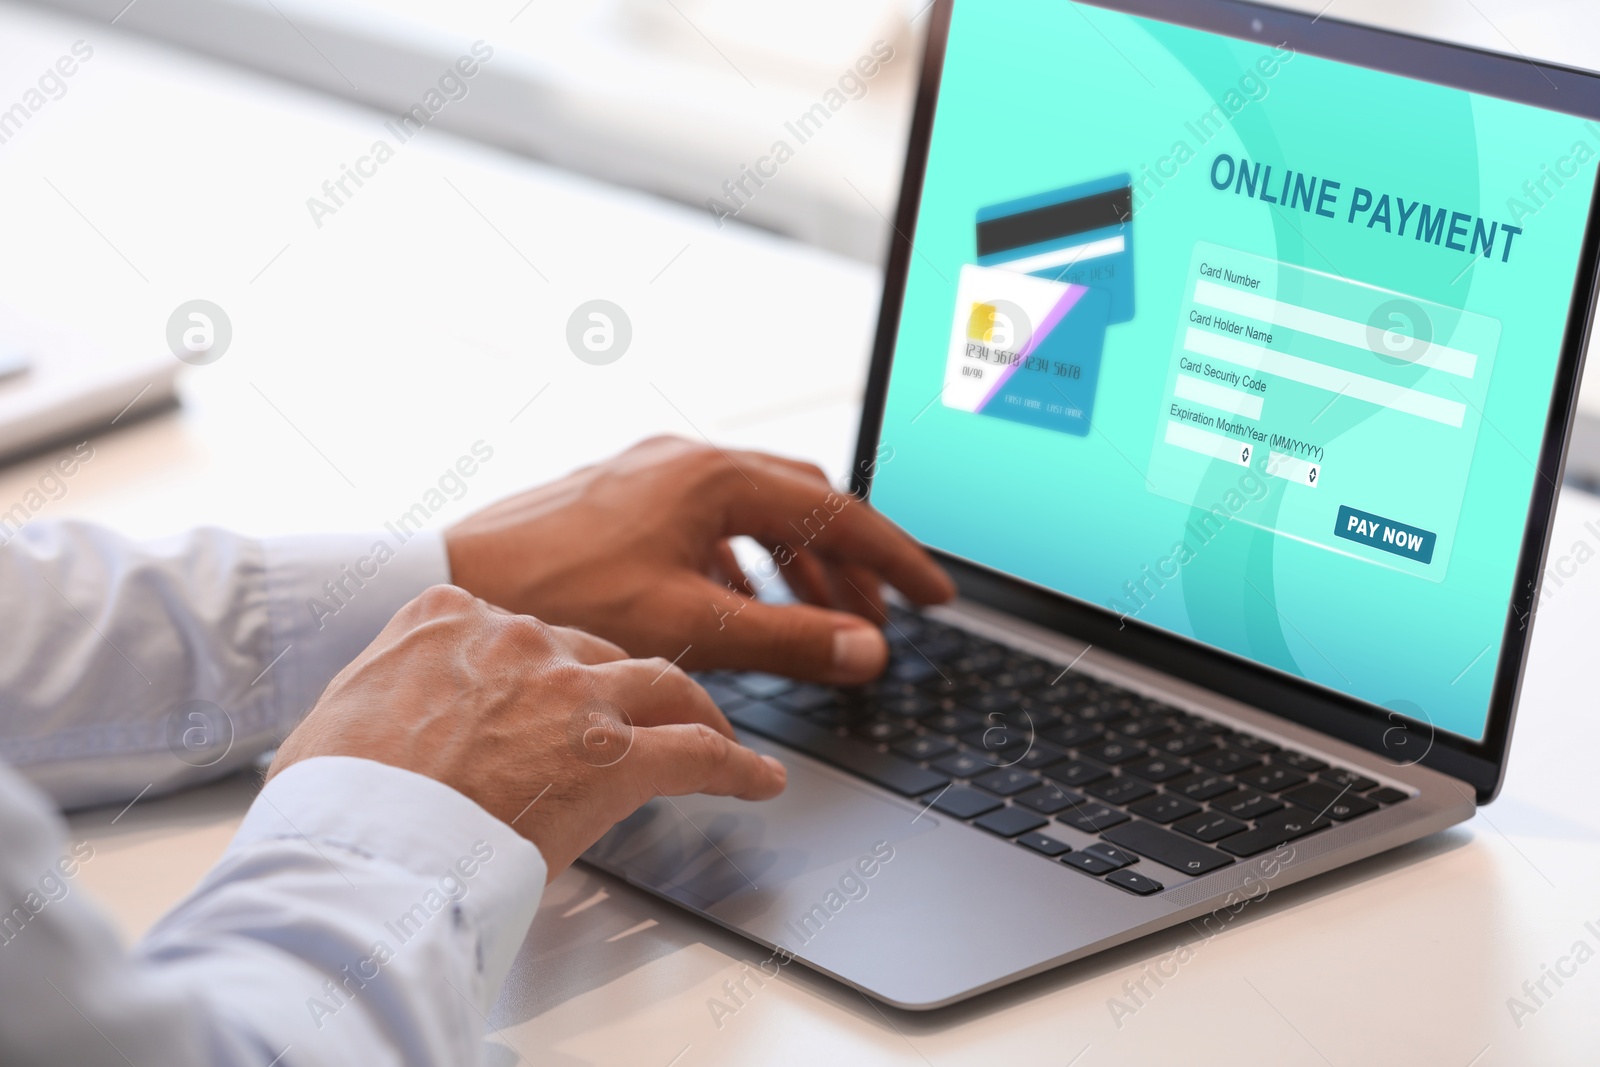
[(1075, 734), (995, 739), (1157, 769), (992, 700), (1134, 882), (1209, 826), (986, 658), (1299, 761), (1112, 854), (1098, 711), (1141, 728), (857, 757), (762, 686), (1183, 744), (923, 747), (1077, 772), (1164, 808), (805, 698), (1272, 831), (1044, 844), (913, 706), (1167, 848), (1006, 782), (1245, 805), (1091, 817), (963, 803), (1339, 778), (1009, 822), (913, 670), (1227, 761), (1089, 863), (1049, 799), (952, 723), (1202, 786), (722, 694), (880, 731), (1320, 798), (1114, 752), (962, 765), (1041, 754), (1388, 795), (1251, 743), (882, 689), (1120, 790), (1272, 779)]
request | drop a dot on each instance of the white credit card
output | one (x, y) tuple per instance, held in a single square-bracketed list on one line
[(1025, 348)]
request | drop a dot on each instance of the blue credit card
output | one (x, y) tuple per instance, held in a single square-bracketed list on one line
[(1082, 235)]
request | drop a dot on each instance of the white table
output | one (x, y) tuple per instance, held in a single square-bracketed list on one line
[(370, 353)]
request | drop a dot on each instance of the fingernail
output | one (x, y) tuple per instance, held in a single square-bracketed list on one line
[(858, 652), (777, 768)]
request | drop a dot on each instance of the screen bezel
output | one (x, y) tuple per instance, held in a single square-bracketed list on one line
[(1481, 764)]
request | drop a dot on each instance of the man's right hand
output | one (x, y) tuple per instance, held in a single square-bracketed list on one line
[(552, 730)]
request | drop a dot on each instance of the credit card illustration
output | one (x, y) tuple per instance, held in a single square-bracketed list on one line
[(1026, 349), (1082, 235)]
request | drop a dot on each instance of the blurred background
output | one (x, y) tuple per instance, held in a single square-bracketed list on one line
[(590, 156)]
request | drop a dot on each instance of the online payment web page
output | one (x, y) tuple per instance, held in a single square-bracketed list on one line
[(1250, 345)]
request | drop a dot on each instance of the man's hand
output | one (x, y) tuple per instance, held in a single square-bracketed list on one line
[(637, 550), (551, 730)]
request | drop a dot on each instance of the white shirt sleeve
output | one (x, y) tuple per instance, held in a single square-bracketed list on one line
[(363, 914), (129, 667)]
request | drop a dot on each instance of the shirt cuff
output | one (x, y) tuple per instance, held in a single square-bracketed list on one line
[(328, 596), (418, 824)]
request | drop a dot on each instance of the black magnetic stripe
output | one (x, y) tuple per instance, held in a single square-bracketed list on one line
[(1055, 221)]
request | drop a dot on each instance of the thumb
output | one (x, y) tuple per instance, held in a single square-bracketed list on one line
[(796, 640)]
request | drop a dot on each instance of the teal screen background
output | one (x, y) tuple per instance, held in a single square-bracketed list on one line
[(1042, 94)]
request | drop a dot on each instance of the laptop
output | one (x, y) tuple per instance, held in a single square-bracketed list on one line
[(1227, 358)]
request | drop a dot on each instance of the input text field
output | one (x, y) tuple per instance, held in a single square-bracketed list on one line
[(1293, 469), (1205, 443), (1245, 405), (1322, 376), (1331, 328)]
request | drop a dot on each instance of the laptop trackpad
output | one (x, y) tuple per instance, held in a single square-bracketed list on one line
[(707, 850)]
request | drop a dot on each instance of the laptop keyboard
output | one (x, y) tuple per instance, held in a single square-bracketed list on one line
[(1016, 746)]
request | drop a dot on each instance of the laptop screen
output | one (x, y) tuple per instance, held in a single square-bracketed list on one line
[(1252, 346)]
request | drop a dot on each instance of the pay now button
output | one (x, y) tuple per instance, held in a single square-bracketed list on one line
[(1385, 534)]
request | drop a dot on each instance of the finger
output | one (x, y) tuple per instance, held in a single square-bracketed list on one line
[(586, 647), (798, 640), (677, 760), (858, 590), (653, 692), (803, 511)]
